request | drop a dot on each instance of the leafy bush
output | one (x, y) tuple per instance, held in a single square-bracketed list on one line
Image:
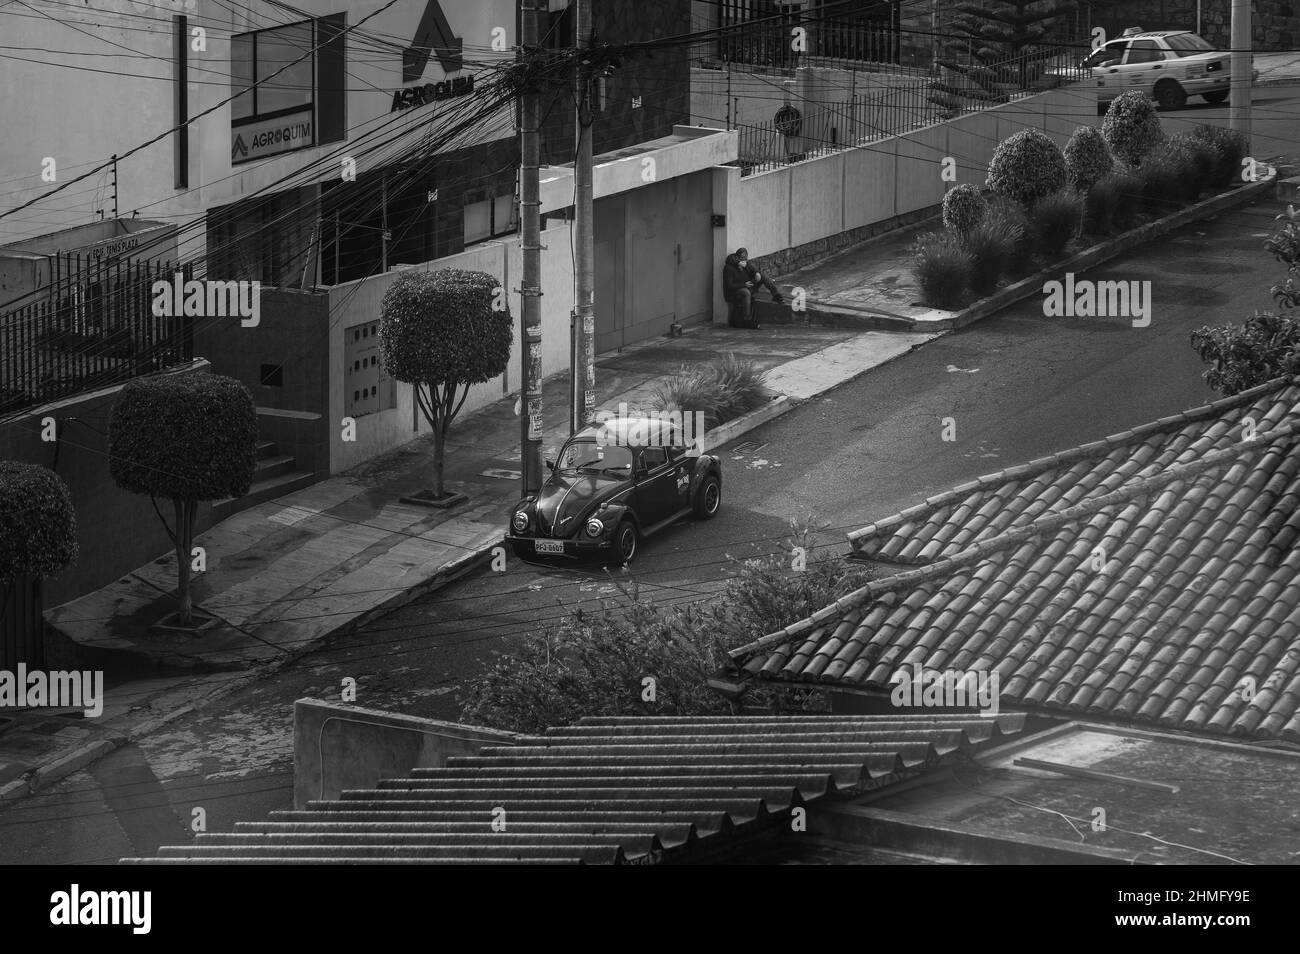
[(963, 208), (1284, 245), (1242, 356), (723, 389), (1100, 205), (186, 437), (942, 269), (1087, 158), (593, 663), (1056, 220), (443, 332), (991, 244), (1026, 166), (38, 524), (1131, 127), (1130, 186), (1229, 146)]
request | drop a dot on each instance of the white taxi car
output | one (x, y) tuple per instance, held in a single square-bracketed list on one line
[(1168, 65)]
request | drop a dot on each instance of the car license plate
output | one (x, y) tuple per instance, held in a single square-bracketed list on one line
[(549, 546)]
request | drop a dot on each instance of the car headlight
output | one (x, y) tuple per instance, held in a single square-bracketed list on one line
[(519, 521), (595, 527)]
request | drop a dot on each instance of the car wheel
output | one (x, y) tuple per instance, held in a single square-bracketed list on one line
[(1216, 98), (625, 542), (708, 498), (1169, 95)]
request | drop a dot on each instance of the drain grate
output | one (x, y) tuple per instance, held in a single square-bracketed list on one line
[(748, 447)]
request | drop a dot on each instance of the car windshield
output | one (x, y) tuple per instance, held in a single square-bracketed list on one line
[(1107, 54), (589, 456), (1188, 44)]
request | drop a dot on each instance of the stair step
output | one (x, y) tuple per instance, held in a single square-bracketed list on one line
[(266, 449), (262, 491), (269, 467)]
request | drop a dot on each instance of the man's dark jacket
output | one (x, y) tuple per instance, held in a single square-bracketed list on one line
[(735, 277)]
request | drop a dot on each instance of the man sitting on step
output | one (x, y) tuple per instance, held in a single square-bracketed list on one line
[(739, 280)]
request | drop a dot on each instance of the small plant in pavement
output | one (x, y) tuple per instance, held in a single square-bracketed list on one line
[(1026, 166), (185, 438), (1056, 219), (963, 208), (1131, 127), (1087, 158), (942, 268), (722, 389)]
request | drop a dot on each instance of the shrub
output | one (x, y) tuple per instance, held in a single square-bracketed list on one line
[(1012, 217), (442, 332), (1128, 212), (1229, 146), (1131, 127), (1026, 166), (1202, 157), (593, 663), (185, 437), (963, 208), (1100, 205), (942, 269), (1167, 174), (1056, 220), (991, 244), (723, 389), (1262, 348), (38, 524), (1087, 158)]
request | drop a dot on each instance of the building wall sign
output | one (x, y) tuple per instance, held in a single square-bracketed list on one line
[(269, 137), (431, 92)]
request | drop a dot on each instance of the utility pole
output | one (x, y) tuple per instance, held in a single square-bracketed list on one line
[(1240, 63), (582, 364), (530, 352)]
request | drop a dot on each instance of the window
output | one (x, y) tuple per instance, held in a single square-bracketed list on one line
[(289, 88), (1188, 44), (652, 458), (489, 218), (1144, 51), (1108, 55)]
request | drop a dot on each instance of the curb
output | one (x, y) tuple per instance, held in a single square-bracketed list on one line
[(1096, 254), (728, 432)]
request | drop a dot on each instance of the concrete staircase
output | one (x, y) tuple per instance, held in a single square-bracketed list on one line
[(277, 474)]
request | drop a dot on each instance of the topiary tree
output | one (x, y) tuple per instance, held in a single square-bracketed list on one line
[(1087, 158), (185, 438), (442, 332), (1026, 166), (963, 209), (38, 525), (1131, 126)]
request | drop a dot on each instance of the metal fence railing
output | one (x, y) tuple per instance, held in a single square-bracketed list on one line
[(92, 326), (901, 105)]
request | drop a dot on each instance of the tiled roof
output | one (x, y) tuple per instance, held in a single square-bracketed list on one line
[(607, 790), (1199, 531)]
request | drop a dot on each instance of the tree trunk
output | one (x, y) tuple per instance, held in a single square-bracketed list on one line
[(439, 439), (184, 533)]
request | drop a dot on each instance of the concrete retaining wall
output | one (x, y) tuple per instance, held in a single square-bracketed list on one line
[(338, 746)]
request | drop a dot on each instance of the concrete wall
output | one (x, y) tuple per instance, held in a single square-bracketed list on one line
[(358, 302), (338, 746), (293, 332), (116, 531), (797, 212)]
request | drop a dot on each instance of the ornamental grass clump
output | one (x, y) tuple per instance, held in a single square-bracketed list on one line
[(942, 269), (1056, 219)]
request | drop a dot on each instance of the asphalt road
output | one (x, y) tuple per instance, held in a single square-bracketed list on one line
[(1017, 386)]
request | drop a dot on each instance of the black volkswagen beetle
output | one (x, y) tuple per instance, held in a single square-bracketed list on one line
[(614, 483)]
